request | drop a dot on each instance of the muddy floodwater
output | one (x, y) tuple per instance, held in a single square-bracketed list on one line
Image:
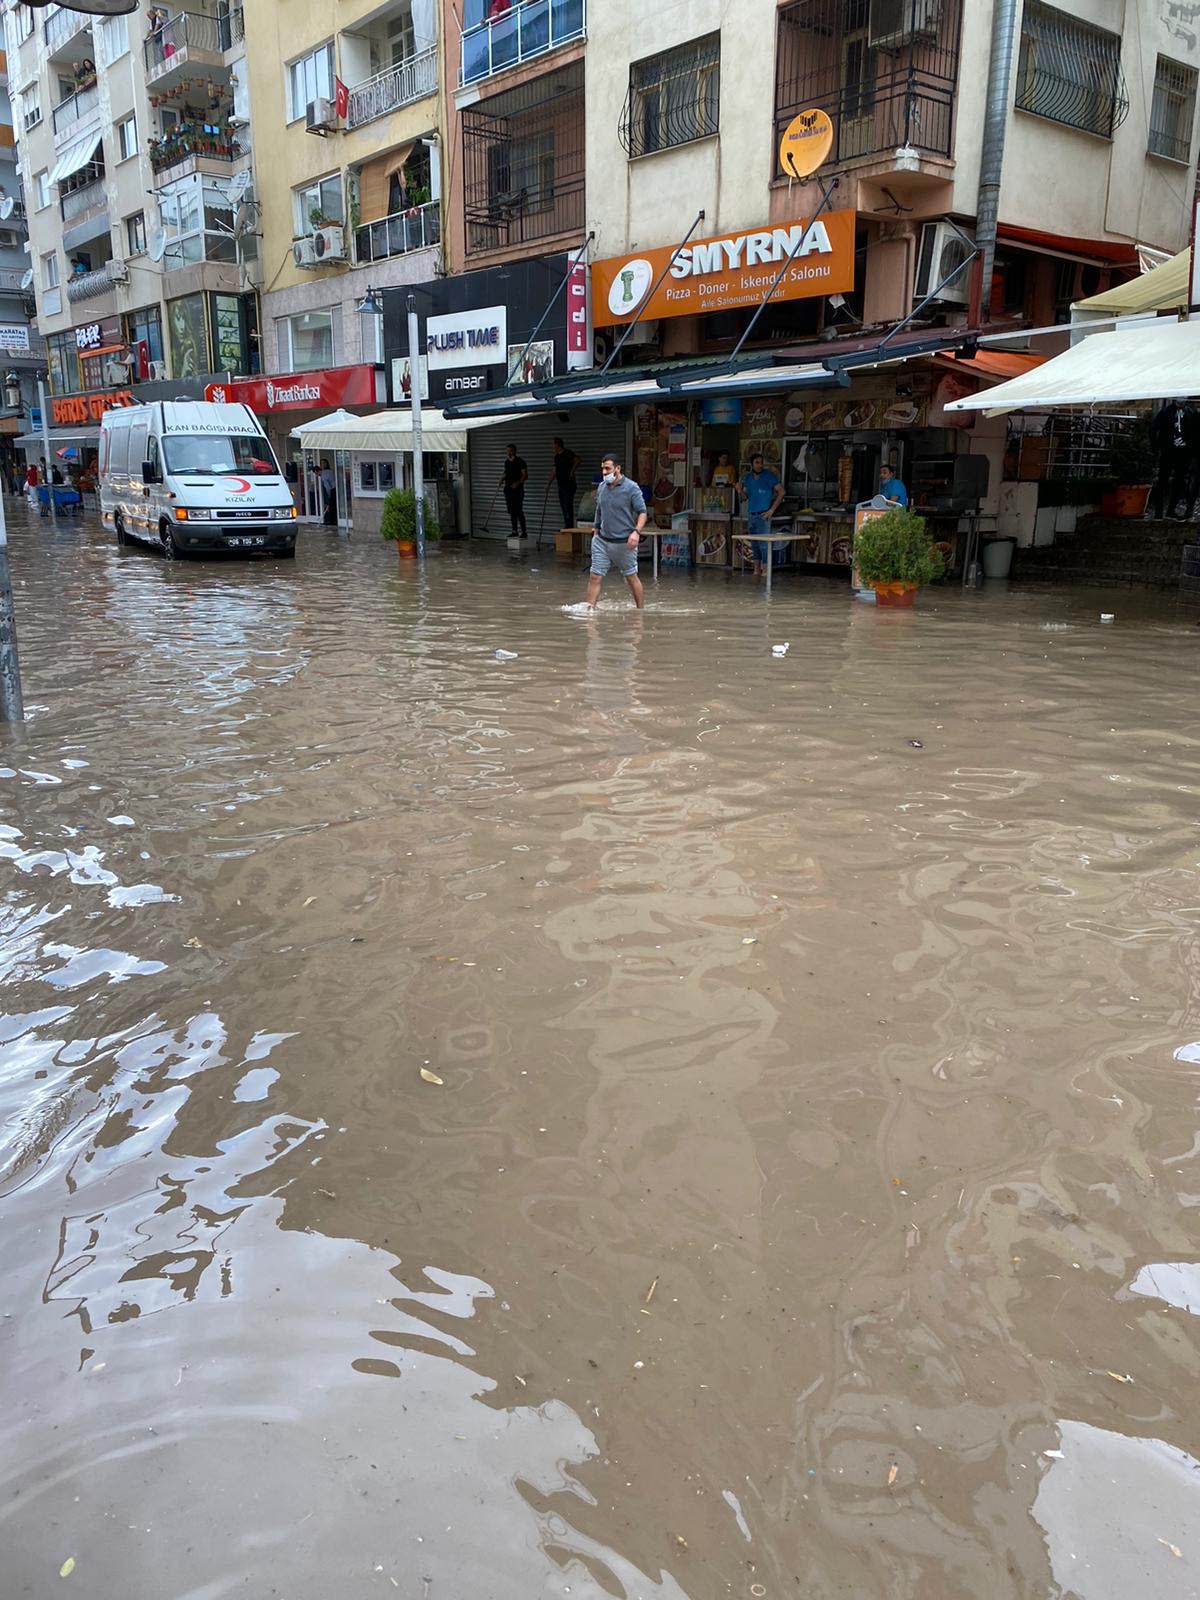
[(645, 1118)]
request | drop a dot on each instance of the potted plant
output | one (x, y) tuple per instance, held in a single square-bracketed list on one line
[(399, 521), (1134, 467), (894, 556)]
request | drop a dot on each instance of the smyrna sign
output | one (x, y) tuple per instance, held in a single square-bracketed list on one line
[(729, 271)]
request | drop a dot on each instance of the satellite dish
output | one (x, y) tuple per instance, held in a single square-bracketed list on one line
[(239, 186), (27, 280), (7, 206), (156, 249)]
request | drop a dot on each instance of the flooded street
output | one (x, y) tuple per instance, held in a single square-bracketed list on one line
[(808, 1203)]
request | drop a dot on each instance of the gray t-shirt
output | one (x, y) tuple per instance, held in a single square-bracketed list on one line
[(618, 506)]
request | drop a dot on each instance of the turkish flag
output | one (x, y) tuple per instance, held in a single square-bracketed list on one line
[(341, 97)]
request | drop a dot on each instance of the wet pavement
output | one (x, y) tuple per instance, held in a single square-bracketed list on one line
[(808, 1205)]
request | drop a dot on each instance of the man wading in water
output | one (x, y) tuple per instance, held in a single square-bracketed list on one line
[(620, 518)]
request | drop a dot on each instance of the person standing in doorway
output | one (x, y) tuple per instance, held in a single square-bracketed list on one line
[(1173, 434), (562, 475), (512, 481), (762, 491), (620, 518), (329, 495)]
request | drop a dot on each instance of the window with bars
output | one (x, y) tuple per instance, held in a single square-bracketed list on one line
[(1173, 111), (523, 166), (1070, 71), (674, 98)]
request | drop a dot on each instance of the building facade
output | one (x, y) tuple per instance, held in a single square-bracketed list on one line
[(136, 159)]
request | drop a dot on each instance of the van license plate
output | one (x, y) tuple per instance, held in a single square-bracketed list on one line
[(251, 538)]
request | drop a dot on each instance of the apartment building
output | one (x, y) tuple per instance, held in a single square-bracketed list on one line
[(21, 350), (348, 98), (134, 138)]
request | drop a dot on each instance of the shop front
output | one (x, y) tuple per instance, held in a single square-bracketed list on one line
[(284, 402), (524, 325)]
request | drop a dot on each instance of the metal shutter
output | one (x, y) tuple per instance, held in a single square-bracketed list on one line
[(588, 433)]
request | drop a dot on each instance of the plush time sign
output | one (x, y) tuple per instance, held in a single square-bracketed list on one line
[(467, 338), (731, 270)]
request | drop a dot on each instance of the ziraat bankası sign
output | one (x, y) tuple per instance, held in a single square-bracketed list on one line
[(728, 271)]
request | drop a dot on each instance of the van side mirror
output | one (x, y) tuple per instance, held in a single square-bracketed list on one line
[(149, 472)]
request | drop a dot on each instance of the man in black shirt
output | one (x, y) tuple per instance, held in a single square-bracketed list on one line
[(566, 464), (1175, 436), (513, 482)]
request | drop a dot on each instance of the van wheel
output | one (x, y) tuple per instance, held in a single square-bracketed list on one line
[(170, 548), (119, 529)]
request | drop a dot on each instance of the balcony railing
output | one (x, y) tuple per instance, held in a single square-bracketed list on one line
[(11, 279), (235, 26), (399, 234), (88, 285), (398, 86), (76, 108), (60, 28), (527, 30), (186, 33), (177, 148), (88, 197)]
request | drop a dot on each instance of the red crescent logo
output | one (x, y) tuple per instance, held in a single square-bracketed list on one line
[(239, 486)]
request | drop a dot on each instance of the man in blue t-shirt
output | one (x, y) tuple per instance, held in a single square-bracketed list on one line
[(891, 488), (761, 491)]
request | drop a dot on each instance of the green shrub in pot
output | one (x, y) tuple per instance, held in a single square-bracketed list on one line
[(399, 520), (896, 548)]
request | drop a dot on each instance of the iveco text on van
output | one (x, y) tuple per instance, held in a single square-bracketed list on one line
[(187, 476)]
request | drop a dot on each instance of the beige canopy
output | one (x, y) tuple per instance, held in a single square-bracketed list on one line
[(390, 432), (1164, 288)]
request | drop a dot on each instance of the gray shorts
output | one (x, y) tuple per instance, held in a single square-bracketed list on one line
[(608, 558)]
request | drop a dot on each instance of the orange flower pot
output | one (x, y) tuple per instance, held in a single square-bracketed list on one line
[(894, 594), (406, 549)]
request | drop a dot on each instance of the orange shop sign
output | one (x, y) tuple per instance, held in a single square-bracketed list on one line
[(89, 407), (732, 270)]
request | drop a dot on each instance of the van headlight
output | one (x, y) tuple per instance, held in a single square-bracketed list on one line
[(284, 513), (187, 514)]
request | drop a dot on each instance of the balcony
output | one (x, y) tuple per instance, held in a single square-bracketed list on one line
[(182, 153), (83, 286), (523, 33), (71, 114), (880, 101), (189, 43), (11, 279), (88, 197), (523, 165), (398, 235), (387, 91), (60, 28)]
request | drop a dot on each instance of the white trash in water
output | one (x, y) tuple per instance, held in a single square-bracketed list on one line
[(779, 649), (506, 655), (1108, 616)]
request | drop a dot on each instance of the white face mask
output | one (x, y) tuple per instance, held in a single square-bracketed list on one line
[(610, 477)]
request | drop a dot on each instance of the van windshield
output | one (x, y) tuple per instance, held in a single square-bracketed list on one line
[(214, 454)]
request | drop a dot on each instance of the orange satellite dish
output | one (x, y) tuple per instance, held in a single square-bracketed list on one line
[(806, 143)]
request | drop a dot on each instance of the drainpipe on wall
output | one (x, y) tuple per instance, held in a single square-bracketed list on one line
[(991, 161)]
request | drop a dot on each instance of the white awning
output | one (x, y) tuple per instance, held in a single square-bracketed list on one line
[(1165, 288), (390, 432), (77, 154), (1154, 361), (340, 415)]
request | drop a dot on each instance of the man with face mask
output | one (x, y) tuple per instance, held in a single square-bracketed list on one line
[(620, 518)]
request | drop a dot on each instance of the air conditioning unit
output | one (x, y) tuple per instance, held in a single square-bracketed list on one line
[(320, 116), (7, 239), (329, 244), (304, 251), (158, 371), (117, 271), (896, 23), (943, 248)]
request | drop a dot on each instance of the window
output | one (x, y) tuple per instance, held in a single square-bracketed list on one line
[(309, 79), (318, 204), (673, 98), (211, 455), (307, 341), (50, 270), (127, 138), (25, 23), (377, 476), (1070, 71), (144, 328), (62, 360), (135, 234), (198, 222), (115, 34), (1173, 111), (31, 107), (522, 173), (41, 188)]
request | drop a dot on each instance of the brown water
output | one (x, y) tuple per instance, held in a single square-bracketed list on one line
[(818, 1130)]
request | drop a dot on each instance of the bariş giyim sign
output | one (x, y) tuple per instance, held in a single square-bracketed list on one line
[(729, 271), (300, 391)]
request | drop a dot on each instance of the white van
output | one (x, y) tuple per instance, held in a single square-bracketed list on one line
[(187, 476)]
